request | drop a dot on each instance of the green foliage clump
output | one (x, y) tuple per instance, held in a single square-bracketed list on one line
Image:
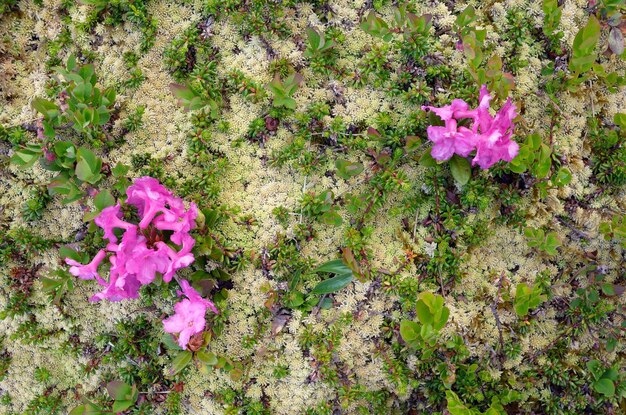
[(609, 151)]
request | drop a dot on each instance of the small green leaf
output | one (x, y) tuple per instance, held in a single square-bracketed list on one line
[(427, 160), (206, 357), (412, 143), (455, 405), (88, 409), (332, 218), (294, 299), (607, 289), (120, 170), (88, 166), (122, 405), (103, 200), (333, 284), (187, 97), (336, 266), (583, 49), (67, 252), (461, 169), (347, 169), (236, 374), (552, 242), (169, 342), (326, 303), (26, 156), (563, 177), (181, 361), (526, 298), (119, 390), (409, 330), (605, 387), (47, 108), (543, 162), (423, 312)]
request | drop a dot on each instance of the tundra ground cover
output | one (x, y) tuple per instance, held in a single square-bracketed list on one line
[(312, 207)]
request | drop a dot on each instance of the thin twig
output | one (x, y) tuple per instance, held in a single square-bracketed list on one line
[(574, 229), (553, 342)]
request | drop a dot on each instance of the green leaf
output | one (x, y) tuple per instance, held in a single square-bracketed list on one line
[(169, 342), (61, 184), (563, 177), (375, 26), (526, 298), (442, 318), (466, 18), (47, 108), (431, 310), (294, 299), (332, 218), (103, 200), (88, 409), (409, 330), (605, 387), (120, 406), (187, 97), (551, 243), (607, 289), (79, 410), (88, 166), (26, 156), (181, 361), (423, 312), (461, 169), (543, 162), (412, 143), (596, 369), (67, 252), (326, 303), (206, 357), (347, 169), (427, 160), (455, 406), (333, 284), (118, 389), (336, 266), (583, 49)]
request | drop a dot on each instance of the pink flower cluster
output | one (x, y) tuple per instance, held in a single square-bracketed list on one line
[(189, 317), (489, 135), (142, 252)]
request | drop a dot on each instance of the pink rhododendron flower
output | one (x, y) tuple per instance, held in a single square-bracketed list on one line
[(89, 271), (189, 318), (448, 141), (489, 135), (458, 109), (109, 219), (180, 224), (193, 295), (150, 198), (178, 259), (142, 253), (494, 133)]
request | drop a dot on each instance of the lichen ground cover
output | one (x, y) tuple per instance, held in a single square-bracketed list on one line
[(370, 244)]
